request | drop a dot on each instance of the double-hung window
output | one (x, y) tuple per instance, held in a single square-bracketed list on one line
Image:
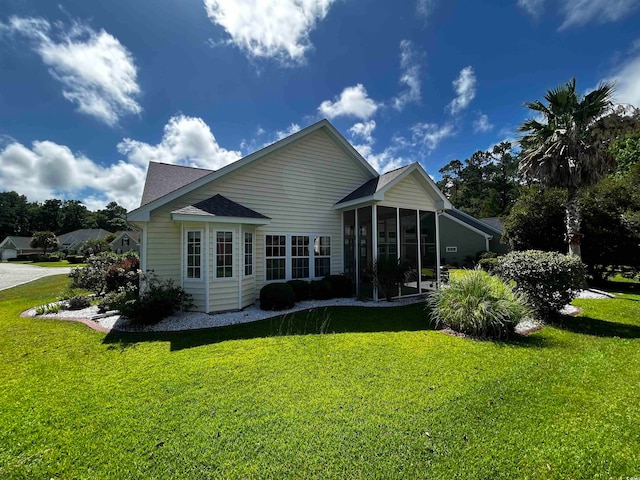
[(299, 256), (322, 256), (194, 254), (224, 254), (248, 254), (276, 255)]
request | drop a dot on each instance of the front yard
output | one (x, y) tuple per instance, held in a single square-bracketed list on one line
[(383, 398)]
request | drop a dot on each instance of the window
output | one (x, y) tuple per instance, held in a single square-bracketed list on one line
[(248, 254), (452, 249), (299, 256), (224, 254), (322, 256), (276, 255), (194, 254)]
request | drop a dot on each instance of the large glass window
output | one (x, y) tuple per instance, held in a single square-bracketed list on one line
[(224, 254), (248, 254), (194, 254), (322, 256), (276, 255), (299, 256)]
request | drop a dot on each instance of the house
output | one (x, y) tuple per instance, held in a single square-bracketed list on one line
[(304, 207), (72, 241), (463, 237), (11, 247), (128, 241)]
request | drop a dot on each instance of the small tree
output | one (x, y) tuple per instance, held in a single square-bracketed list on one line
[(44, 240)]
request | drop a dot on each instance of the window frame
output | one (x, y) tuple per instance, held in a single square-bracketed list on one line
[(250, 255), (275, 257), (289, 257), (215, 256), (201, 265)]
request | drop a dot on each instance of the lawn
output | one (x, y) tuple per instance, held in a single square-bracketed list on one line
[(386, 398)]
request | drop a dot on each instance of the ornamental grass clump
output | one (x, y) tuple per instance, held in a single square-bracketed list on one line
[(478, 304)]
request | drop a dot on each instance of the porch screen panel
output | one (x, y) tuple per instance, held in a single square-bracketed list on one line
[(409, 250), (349, 220), (387, 233), (365, 253), (428, 250)]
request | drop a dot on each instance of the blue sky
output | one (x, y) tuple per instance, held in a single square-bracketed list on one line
[(90, 92)]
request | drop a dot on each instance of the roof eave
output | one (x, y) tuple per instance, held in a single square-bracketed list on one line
[(184, 217)]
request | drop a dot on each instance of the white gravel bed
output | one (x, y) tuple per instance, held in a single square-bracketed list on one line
[(197, 320)]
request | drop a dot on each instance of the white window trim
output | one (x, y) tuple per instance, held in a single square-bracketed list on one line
[(253, 255), (288, 257), (185, 260), (214, 247)]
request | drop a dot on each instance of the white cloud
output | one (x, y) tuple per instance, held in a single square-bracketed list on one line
[(482, 124), (465, 88), (425, 7), (48, 170), (627, 78), (431, 134), (582, 12), (410, 68), (97, 72), (352, 102), (290, 130), (532, 7), (364, 131), (269, 29), (186, 141)]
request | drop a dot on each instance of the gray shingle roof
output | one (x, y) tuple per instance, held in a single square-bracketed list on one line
[(82, 235), (375, 184), (494, 222), (21, 243), (473, 221), (221, 207), (164, 178)]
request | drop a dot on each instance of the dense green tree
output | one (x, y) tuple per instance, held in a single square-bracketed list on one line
[(44, 240), (73, 216), (47, 216), (112, 218), (566, 149), (14, 215)]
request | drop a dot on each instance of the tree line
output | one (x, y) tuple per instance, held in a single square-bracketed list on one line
[(19, 217)]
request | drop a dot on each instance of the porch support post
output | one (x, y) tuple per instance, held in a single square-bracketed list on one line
[(240, 264), (356, 253), (418, 232), (207, 264), (437, 218), (182, 240), (398, 243), (374, 243)]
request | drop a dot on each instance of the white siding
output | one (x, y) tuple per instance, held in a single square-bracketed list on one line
[(410, 193)]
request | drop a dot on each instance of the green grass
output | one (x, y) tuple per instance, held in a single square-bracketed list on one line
[(385, 399)]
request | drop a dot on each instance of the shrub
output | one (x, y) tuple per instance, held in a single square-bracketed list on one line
[(320, 290), (488, 264), (159, 300), (549, 280), (114, 300), (78, 302), (389, 274), (74, 259), (122, 273), (478, 304), (93, 276), (300, 289), (485, 254), (340, 285), (277, 296)]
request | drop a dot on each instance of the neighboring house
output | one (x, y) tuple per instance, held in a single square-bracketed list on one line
[(126, 242), (11, 247), (463, 236), (304, 207), (72, 241)]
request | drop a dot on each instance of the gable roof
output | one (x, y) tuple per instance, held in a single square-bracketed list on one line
[(219, 206), (82, 235), (473, 222), (19, 243), (375, 188), (163, 178), (132, 234), (142, 213), (495, 222)]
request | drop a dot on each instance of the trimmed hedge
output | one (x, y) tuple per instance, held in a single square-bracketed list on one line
[(341, 286), (301, 289), (549, 280), (320, 289), (277, 296)]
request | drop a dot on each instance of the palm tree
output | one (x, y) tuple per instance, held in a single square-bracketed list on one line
[(568, 146)]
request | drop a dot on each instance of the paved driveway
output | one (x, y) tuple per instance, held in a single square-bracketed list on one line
[(12, 274)]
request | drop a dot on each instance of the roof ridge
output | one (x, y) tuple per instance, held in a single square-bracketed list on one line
[(398, 168), (182, 166)]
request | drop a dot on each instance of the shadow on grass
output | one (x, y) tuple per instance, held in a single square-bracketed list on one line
[(620, 287), (409, 318), (596, 327)]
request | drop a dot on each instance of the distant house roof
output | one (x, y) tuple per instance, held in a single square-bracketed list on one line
[(473, 221), (78, 236), (163, 178), (495, 222), (374, 185), (219, 206), (18, 243), (132, 234)]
